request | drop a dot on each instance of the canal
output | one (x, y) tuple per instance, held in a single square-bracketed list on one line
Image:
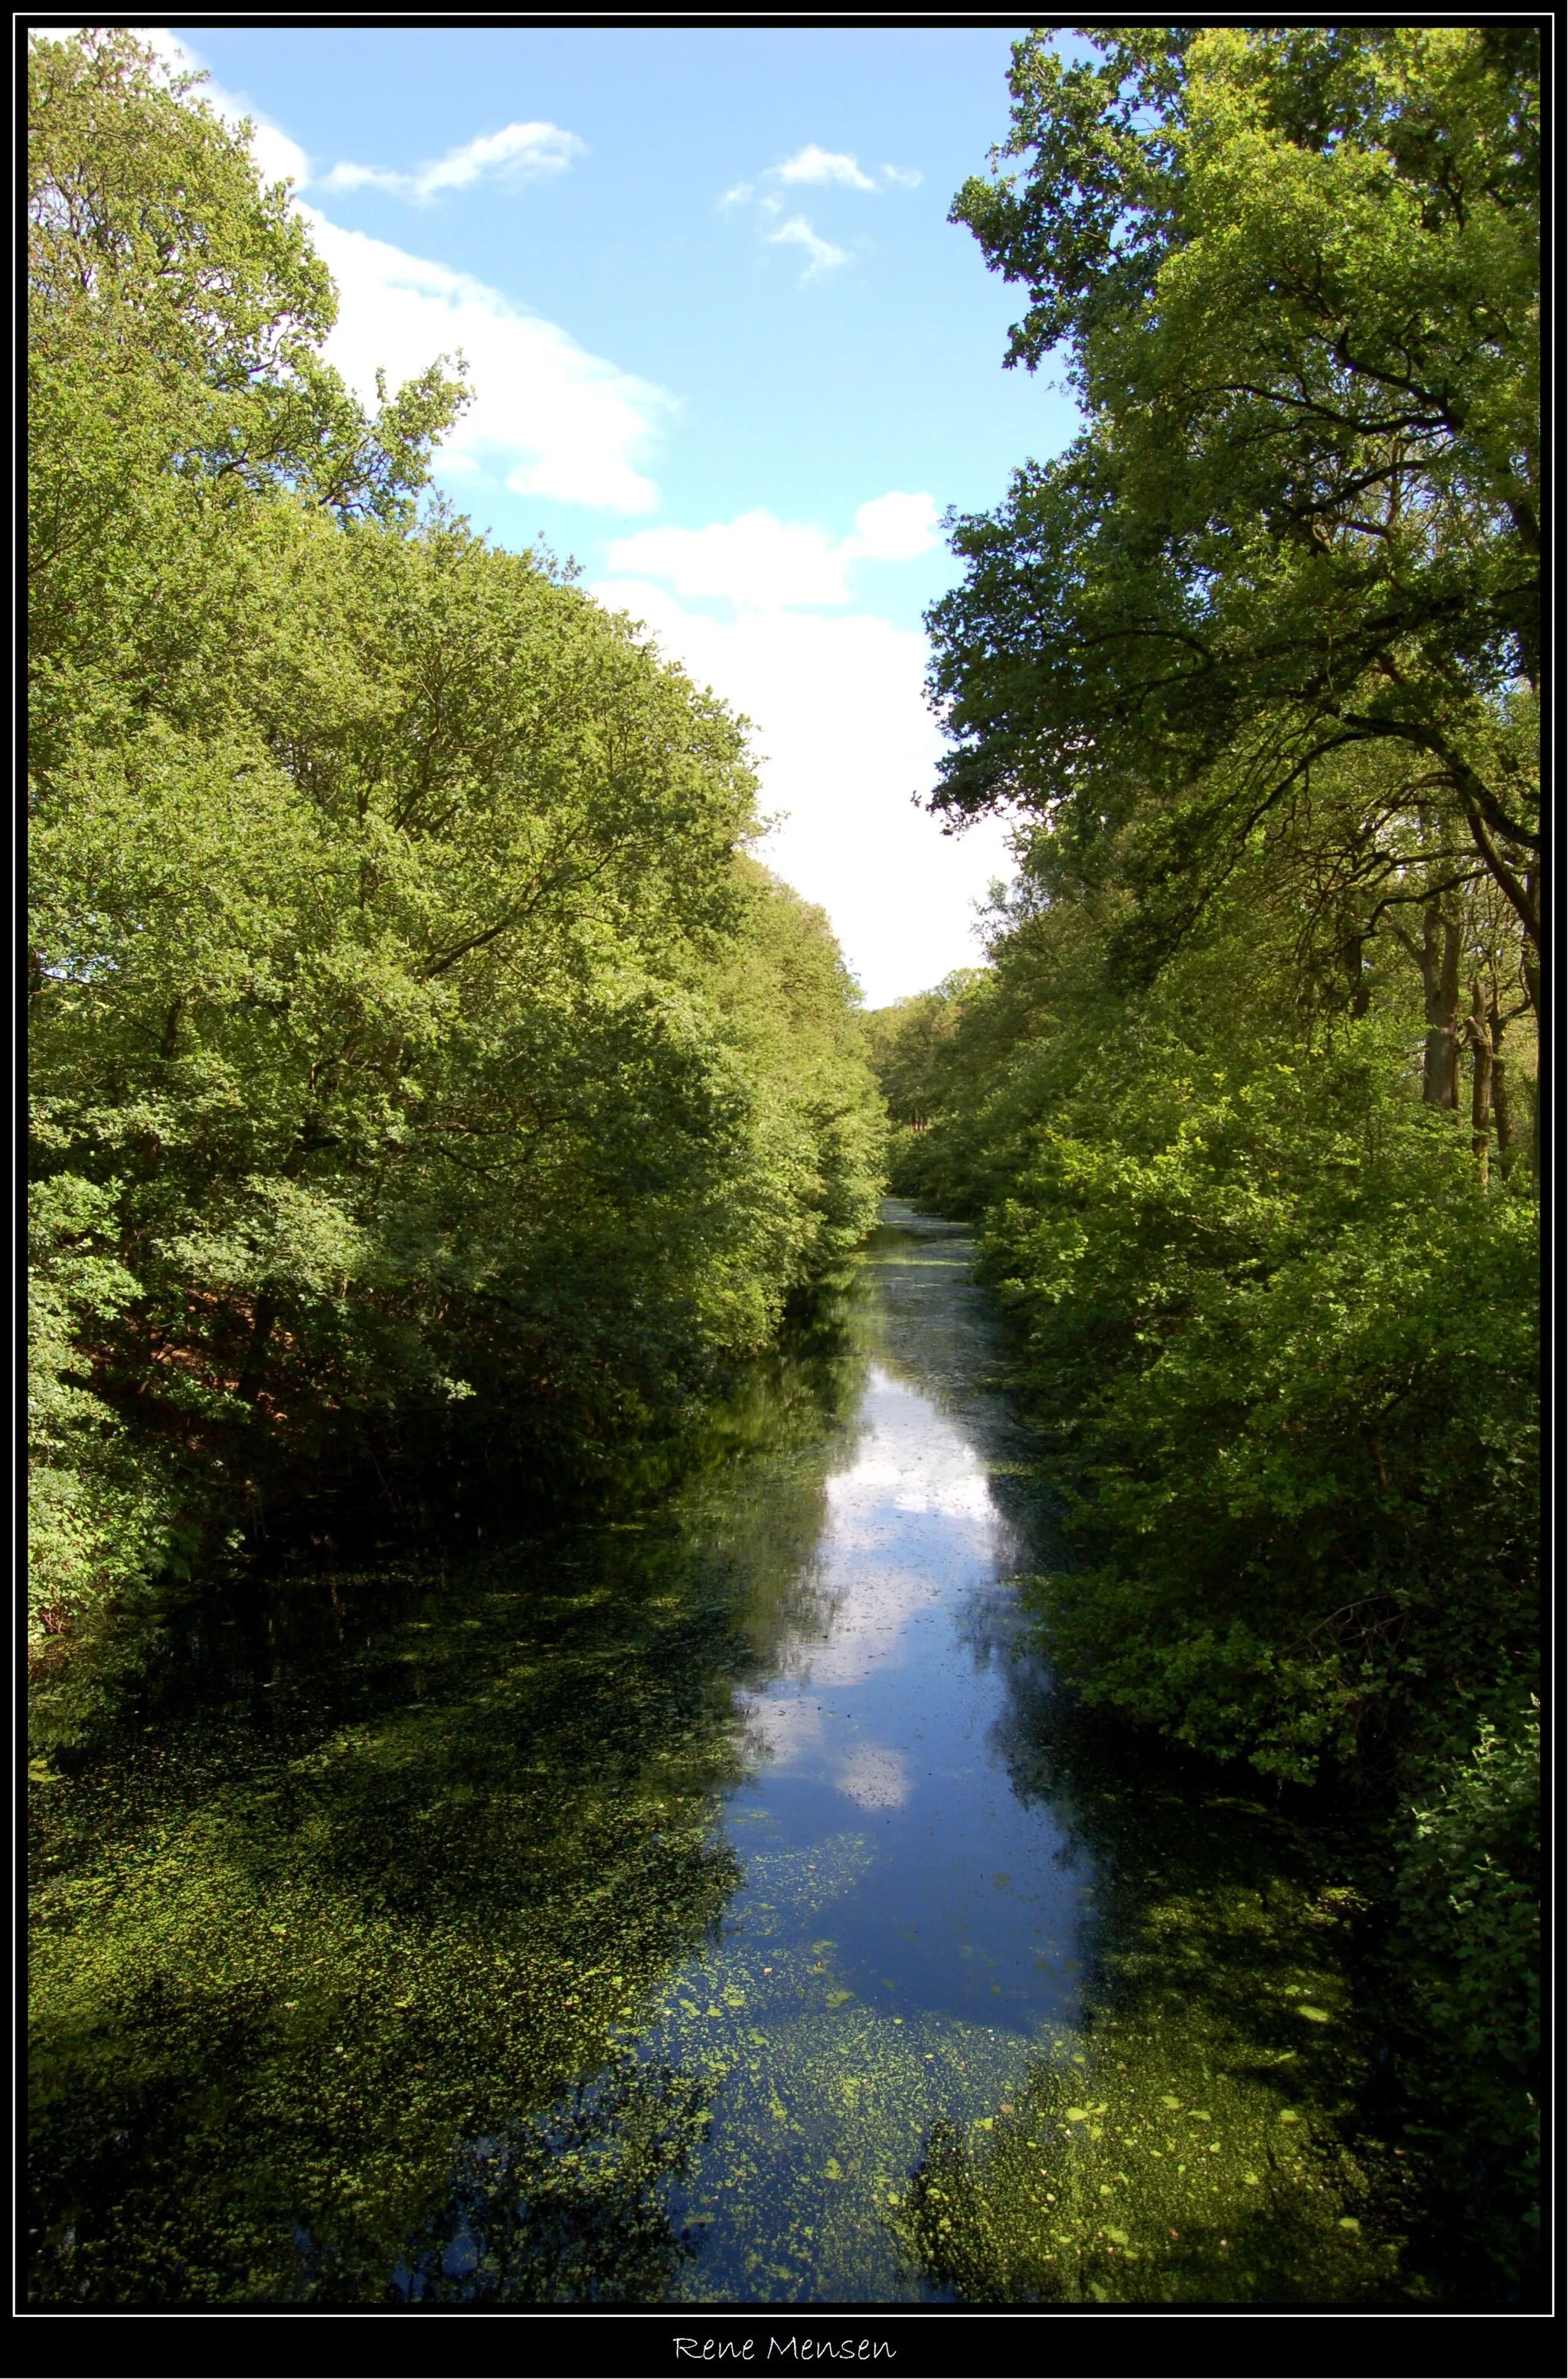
[(697, 1906)]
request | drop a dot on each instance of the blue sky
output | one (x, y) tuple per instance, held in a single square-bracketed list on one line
[(728, 353)]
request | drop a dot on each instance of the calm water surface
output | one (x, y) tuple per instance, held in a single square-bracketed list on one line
[(711, 1902), (908, 1929)]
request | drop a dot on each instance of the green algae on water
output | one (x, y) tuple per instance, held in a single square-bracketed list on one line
[(297, 1950), (1196, 2142), (1152, 2174)]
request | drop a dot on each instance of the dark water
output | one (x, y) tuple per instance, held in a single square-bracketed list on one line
[(632, 1914)]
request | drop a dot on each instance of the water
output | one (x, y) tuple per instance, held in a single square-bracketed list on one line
[(700, 1906), (908, 1927)]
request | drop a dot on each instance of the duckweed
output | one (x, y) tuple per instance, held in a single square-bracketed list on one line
[(1190, 2146)]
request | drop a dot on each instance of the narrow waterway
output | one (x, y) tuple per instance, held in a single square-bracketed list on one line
[(697, 1905), (908, 1928)]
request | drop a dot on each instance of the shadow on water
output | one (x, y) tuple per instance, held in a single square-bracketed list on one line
[(1220, 2125), (570, 2210), (387, 1871), (1203, 2136)]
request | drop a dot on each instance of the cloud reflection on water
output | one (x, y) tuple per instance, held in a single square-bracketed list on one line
[(877, 1778), (909, 1520)]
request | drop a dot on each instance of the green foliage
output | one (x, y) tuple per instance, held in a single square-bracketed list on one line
[(913, 1049), (176, 316), (1257, 655), (1280, 1334), (435, 1066), (96, 1516), (1469, 1901), (1296, 275), (1297, 1348)]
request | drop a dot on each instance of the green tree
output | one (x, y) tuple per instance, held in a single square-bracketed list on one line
[(175, 312), (1256, 661), (419, 1062), (1295, 274)]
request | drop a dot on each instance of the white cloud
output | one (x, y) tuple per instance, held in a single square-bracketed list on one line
[(755, 561), (761, 563), (914, 1475), (894, 528), (813, 165), (548, 418), (798, 232), (846, 739), (819, 168), (518, 153), (278, 158)]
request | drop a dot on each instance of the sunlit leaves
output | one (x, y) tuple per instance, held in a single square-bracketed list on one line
[(1296, 274)]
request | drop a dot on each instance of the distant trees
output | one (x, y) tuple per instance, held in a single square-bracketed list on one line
[(910, 1044), (414, 1049)]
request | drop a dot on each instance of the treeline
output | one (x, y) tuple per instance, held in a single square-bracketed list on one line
[(1245, 1101), (423, 1072)]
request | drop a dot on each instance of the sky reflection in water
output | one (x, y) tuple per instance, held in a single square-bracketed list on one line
[(906, 1929)]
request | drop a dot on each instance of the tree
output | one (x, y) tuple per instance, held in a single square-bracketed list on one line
[(1295, 274), (176, 313), (1255, 661), (421, 1065)]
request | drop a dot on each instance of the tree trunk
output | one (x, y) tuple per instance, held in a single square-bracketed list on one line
[(1532, 960), (254, 1370), (1359, 982), (1502, 1115), (1441, 938), (1480, 1079)]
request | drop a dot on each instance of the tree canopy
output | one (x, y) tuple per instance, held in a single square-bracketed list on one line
[(420, 1061), (1294, 278)]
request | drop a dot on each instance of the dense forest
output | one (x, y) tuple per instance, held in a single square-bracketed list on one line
[(1244, 1102), (425, 1075), (438, 1108)]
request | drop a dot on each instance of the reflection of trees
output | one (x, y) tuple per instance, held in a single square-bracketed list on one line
[(568, 2210), (286, 1961), (931, 1328), (1205, 2136), (1221, 1995)]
